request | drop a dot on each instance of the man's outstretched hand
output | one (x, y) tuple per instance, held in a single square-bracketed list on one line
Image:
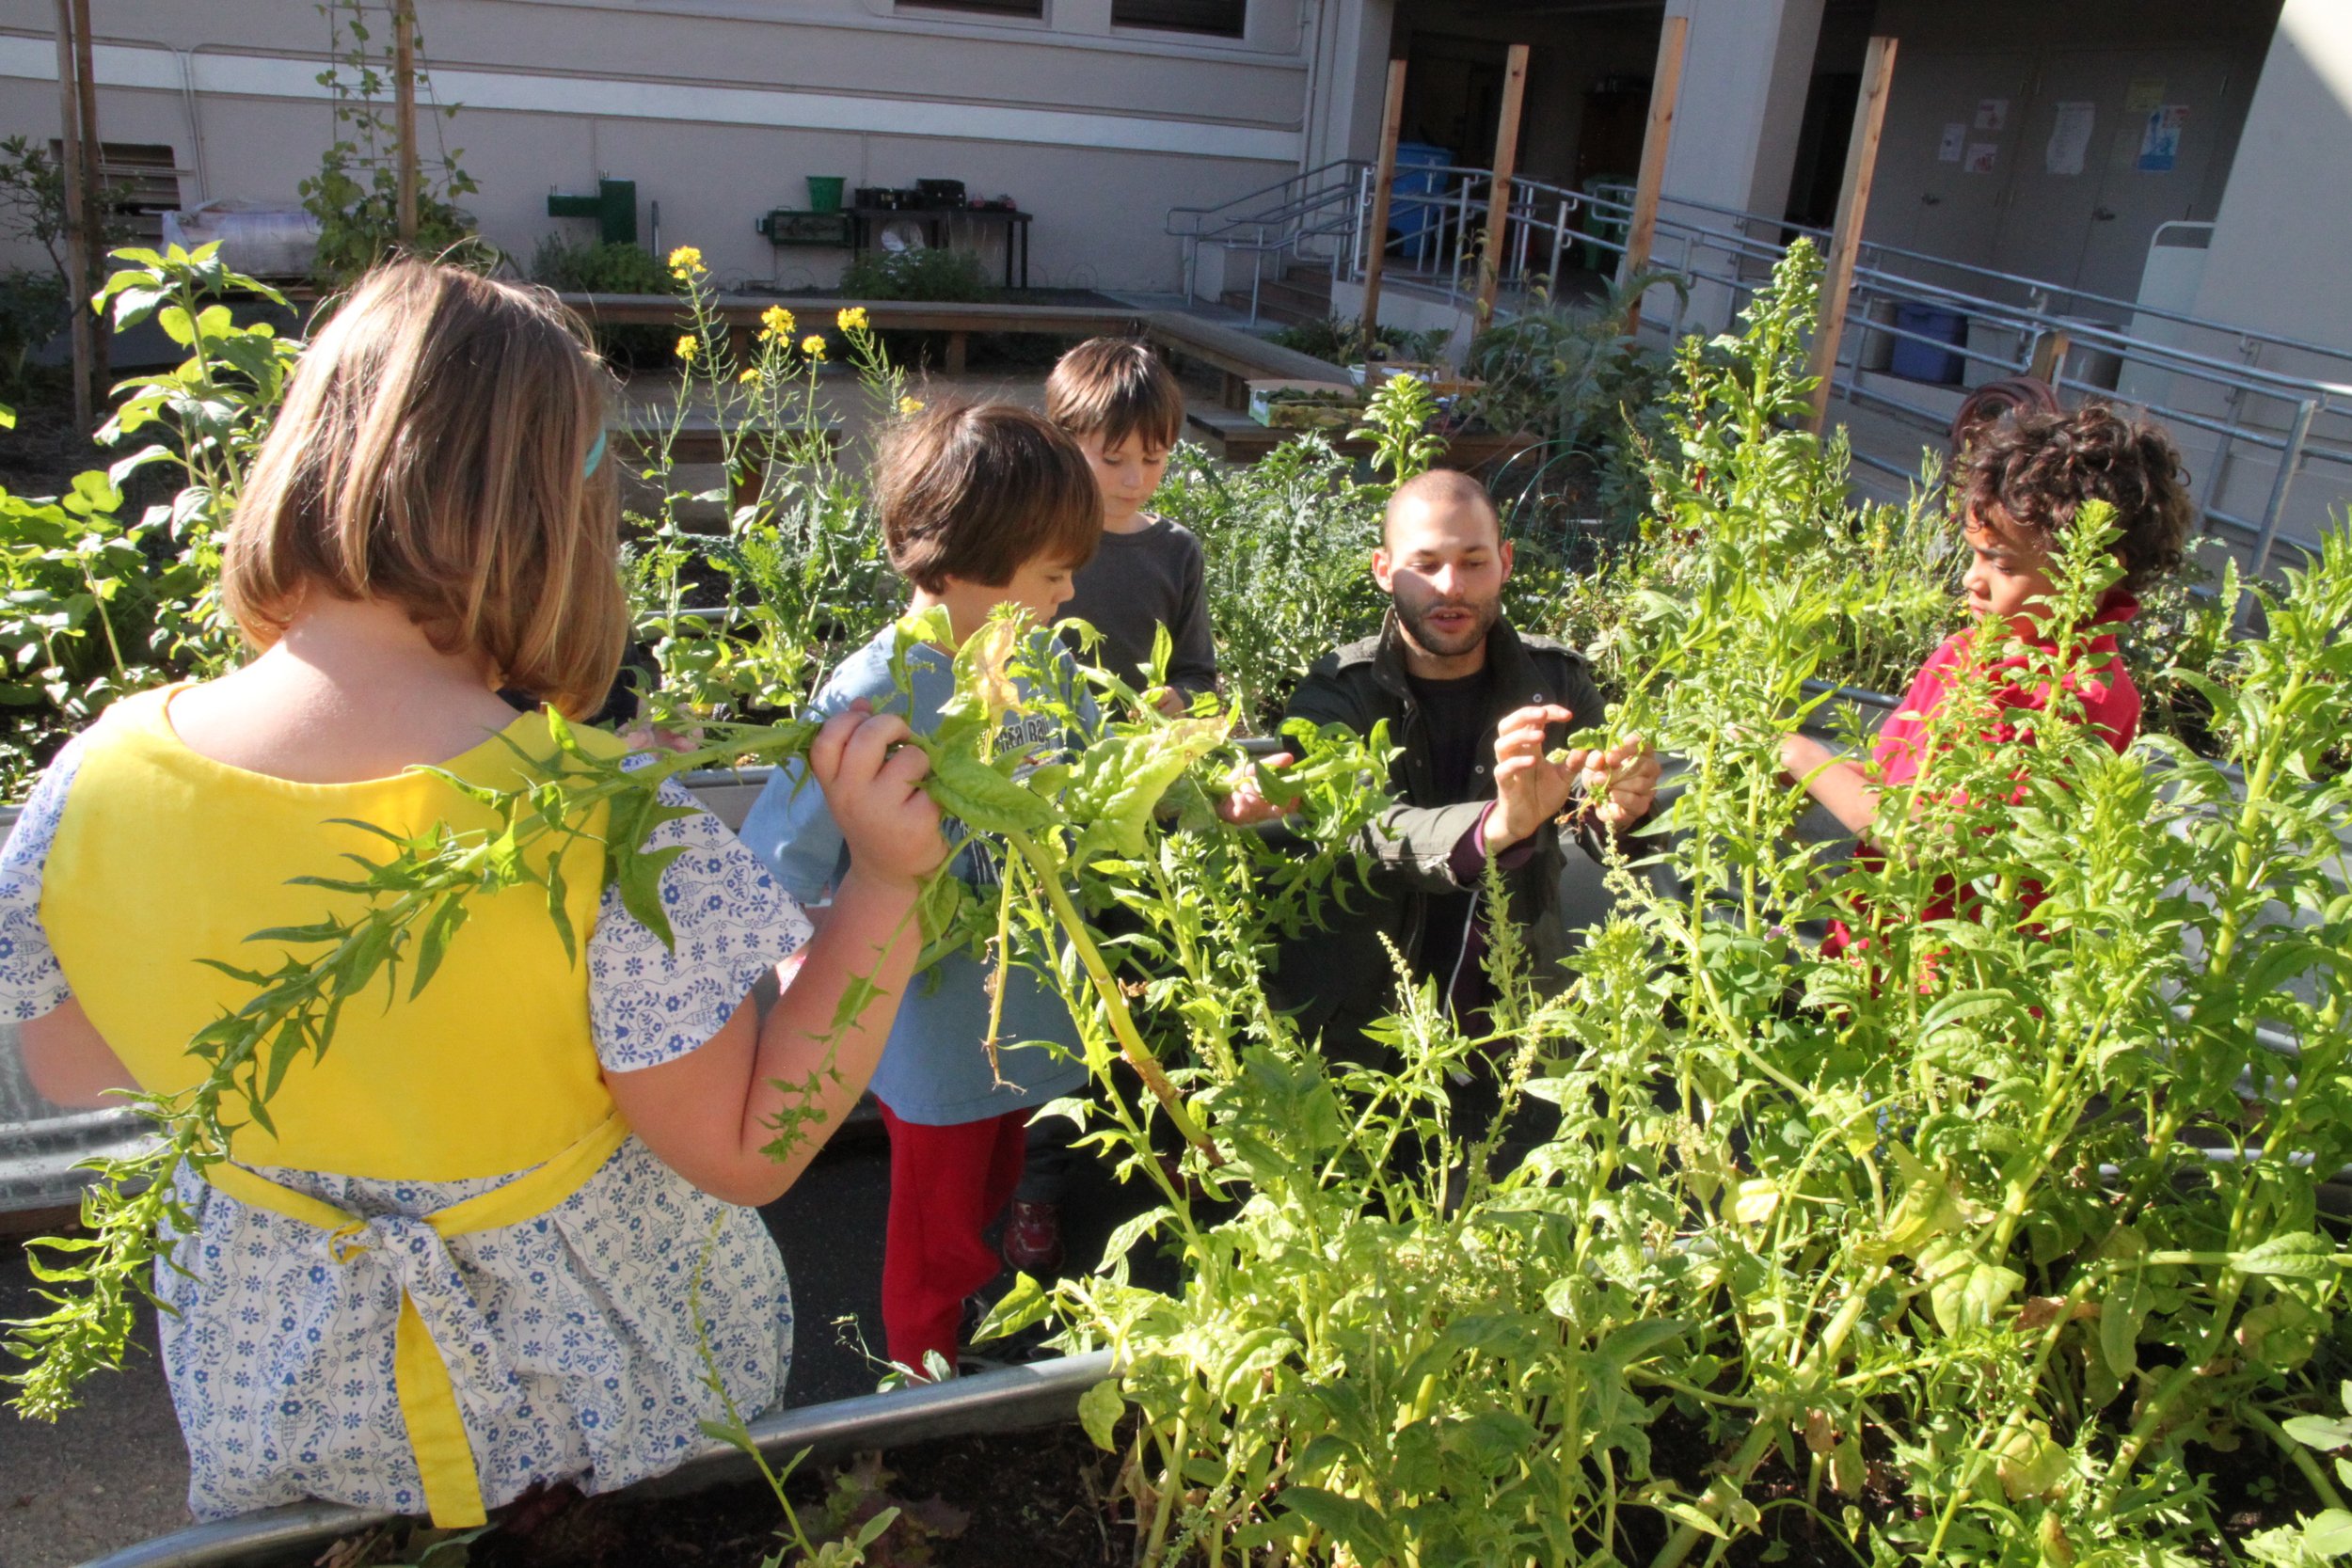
[(1530, 788), (1624, 780)]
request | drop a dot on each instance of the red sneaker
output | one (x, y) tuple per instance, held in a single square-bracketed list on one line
[(1033, 1238)]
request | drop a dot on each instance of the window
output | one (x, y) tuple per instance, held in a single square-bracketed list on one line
[(140, 182), (1033, 9), (1224, 17)]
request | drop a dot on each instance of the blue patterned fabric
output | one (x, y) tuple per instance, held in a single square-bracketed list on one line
[(30, 981), (570, 1338)]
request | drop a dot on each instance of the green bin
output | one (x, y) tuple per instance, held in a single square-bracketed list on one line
[(825, 192)]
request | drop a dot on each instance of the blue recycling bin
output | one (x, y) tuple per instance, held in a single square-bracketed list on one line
[(1916, 362), (1417, 194)]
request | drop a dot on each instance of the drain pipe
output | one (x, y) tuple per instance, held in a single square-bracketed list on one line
[(1012, 1399)]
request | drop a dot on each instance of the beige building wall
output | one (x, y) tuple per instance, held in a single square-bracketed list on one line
[(720, 108)]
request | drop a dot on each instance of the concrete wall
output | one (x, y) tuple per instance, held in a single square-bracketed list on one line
[(2021, 216), (2283, 232), (717, 108)]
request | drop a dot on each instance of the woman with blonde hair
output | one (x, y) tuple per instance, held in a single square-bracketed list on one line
[(454, 1260)]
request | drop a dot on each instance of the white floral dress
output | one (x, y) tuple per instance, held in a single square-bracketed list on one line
[(580, 1358)]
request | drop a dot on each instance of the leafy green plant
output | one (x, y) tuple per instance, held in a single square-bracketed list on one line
[(1288, 544), (798, 562), (355, 193), (1396, 422), (610, 267), (1346, 343), (919, 272), (99, 606), (1954, 1248)]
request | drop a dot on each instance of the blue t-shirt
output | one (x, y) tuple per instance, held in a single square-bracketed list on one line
[(934, 1071)]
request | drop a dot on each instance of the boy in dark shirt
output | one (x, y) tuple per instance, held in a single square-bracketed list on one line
[(1119, 404)]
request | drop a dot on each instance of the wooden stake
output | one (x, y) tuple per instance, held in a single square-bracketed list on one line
[(404, 113), (1498, 202), (2049, 357), (1666, 88), (1854, 209), (79, 285), (1384, 175)]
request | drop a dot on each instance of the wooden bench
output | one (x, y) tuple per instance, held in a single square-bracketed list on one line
[(1243, 357), (958, 320)]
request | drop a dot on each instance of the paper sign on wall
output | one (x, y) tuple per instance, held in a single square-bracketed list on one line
[(2147, 92), (2069, 137), (1981, 156), (1948, 151), (1992, 113), (2160, 143)]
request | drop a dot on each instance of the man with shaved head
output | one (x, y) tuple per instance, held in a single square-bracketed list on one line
[(1475, 706)]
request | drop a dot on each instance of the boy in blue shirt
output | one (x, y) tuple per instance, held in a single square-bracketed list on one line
[(980, 506)]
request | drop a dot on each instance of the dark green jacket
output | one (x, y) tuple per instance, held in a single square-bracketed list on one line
[(1341, 979)]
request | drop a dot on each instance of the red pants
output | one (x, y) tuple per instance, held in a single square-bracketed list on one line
[(947, 1184)]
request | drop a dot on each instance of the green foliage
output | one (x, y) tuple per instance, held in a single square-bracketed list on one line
[(1396, 423), (1573, 377), (1289, 544), (32, 310), (922, 272), (742, 619), (1346, 343), (97, 605), (595, 267), (355, 193), (2014, 1197)]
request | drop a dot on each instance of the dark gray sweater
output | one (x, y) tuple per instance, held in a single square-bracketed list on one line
[(1137, 583)]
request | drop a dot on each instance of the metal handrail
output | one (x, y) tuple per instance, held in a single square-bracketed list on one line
[(1261, 230), (1253, 216), (1736, 255), (2033, 286)]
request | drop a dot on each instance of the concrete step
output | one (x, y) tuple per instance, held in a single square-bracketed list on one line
[(1281, 300)]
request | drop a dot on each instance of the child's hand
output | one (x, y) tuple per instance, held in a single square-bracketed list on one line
[(1801, 755), (876, 796), (1170, 702), (650, 738), (1247, 803)]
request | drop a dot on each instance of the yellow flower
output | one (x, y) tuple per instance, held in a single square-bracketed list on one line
[(814, 347), (749, 377), (686, 347), (909, 406), (776, 322), (685, 261), (852, 319)]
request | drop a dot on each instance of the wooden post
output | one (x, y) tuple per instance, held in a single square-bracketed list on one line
[(1666, 88), (79, 283), (404, 113), (2049, 357), (1383, 176), (1854, 209), (1499, 200)]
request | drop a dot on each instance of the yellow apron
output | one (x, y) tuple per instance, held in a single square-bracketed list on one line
[(165, 858)]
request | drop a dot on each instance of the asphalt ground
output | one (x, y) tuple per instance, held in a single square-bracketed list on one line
[(113, 1472)]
